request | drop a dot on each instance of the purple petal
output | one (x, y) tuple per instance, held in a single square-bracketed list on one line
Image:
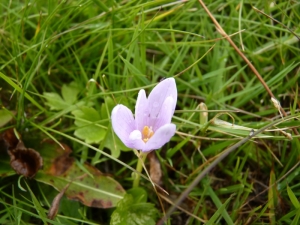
[(160, 137), (136, 140), (141, 110), (163, 90), (165, 114), (123, 123)]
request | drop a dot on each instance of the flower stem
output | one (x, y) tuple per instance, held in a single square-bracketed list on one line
[(139, 166)]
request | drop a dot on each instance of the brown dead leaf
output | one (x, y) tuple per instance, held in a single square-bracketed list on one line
[(10, 139), (56, 202), (155, 169), (25, 161)]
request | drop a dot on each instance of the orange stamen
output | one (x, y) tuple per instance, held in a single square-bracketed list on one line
[(147, 133)]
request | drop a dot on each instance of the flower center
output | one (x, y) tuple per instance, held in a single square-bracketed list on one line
[(147, 133)]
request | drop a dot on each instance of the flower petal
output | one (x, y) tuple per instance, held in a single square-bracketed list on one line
[(123, 123), (160, 137), (141, 110), (165, 114), (135, 135), (136, 140), (163, 90)]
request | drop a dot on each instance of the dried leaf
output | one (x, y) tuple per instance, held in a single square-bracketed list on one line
[(25, 161), (155, 169), (56, 202), (10, 139)]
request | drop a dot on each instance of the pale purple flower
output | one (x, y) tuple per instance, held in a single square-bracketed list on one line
[(151, 128)]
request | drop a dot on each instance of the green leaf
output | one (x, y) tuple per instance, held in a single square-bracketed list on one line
[(97, 190), (219, 212), (107, 107), (296, 218), (272, 197), (129, 211), (37, 205), (86, 119), (87, 183), (69, 96), (69, 92), (215, 198), (5, 117), (20, 90), (139, 194), (293, 198), (232, 129), (135, 71), (54, 101)]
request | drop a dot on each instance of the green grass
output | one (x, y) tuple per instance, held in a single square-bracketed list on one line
[(109, 50)]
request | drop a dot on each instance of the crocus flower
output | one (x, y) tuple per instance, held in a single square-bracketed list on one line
[(151, 128)]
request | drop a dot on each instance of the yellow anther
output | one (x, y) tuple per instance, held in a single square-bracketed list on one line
[(147, 133)]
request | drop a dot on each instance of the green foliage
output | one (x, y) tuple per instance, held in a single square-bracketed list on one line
[(5, 117), (134, 210), (87, 129), (69, 97), (86, 183), (293, 198), (65, 64)]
